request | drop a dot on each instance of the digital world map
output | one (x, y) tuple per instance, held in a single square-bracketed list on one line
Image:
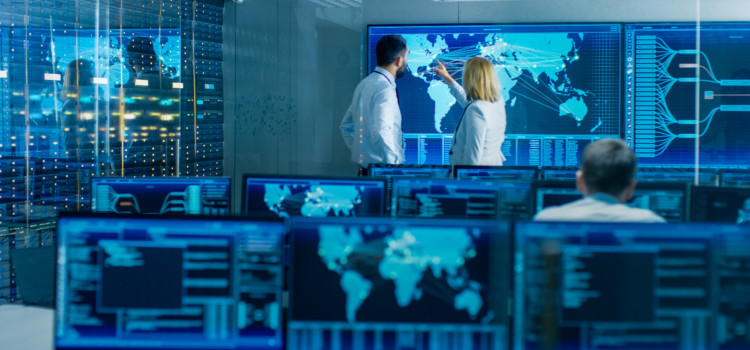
[(408, 257), (312, 201)]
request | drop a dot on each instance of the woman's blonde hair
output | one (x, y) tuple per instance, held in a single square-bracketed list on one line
[(480, 80)]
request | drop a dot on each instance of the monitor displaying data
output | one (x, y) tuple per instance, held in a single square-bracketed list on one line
[(668, 200), (662, 123), (559, 173), (560, 83), (277, 196), (631, 286), (442, 198), (735, 178), (161, 195), (720, 204), (151, 282), (383, 283), (520, 173), (708, 177), (389, 171)]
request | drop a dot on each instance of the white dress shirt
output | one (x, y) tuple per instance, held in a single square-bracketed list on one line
[(480, 133), (598, 207), (372, 124)]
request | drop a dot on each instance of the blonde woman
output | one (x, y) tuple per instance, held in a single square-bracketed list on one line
[(481, 130)]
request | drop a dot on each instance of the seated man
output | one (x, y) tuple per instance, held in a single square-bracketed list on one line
[(743, 214), (607, 180)]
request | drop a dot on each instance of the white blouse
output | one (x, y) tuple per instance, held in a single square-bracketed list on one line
[(480, 133)]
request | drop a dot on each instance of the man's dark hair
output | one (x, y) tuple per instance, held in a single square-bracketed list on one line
[(389, 48), (608, 166)]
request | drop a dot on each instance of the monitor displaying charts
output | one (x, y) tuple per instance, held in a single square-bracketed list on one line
[(560, 83), (720, 204), (442, 198), (126, 282), (289, 196), (385, 283), (631, 286), (661, 76), (161, 195), (668, 200)]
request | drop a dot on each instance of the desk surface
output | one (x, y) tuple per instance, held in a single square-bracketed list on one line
[(26, 327)]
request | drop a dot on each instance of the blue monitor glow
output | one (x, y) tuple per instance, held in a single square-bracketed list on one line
[(443, 198), (282, 196), (640, 286), (161, 195), (735, 178), (559, 173), (560, 83), (668, 200), (467, 172), (706, 177), (152, 282), (384, 283), (389, 171), (661, 92), (720, 204)]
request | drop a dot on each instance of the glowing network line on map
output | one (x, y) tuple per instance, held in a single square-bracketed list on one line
[(515, 59)]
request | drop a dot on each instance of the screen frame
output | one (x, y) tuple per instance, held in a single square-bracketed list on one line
[(510, 168)]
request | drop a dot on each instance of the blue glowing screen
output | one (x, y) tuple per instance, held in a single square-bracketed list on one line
[(190, 196), (313, 197), (147, 283), (661, 77), (379, 283), (630, 286), (560, 83)]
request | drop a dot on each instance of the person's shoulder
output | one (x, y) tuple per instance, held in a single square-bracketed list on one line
[(643, 215), (563, 212)]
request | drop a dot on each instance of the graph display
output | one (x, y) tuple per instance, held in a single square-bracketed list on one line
[(147, 283), (668, 200), (158, 196), (560, 84), (663, 66), (439, 198), (381, 283), (312, 197), (631, 286)]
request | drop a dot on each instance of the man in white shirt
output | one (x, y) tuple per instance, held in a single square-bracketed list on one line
[(607, 180), (372, 125)]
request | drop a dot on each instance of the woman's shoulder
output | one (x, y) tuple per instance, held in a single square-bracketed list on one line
[(484, 106)]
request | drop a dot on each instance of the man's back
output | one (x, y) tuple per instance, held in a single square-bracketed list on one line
[(598, 207), (372, 125)]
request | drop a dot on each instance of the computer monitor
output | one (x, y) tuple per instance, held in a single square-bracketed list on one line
[(560, 83), (161, 195), (720, 204), (559, 173), (518, 173), (707, 177), (661, 78), (630, 286), (288, 196), (385, 283), (443, 198), (735, 178), (127, 282), (668, 200), (389, 170)]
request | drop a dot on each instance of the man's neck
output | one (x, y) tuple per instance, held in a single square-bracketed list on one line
[(391, 69)]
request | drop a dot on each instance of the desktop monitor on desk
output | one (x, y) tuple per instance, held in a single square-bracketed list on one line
[(126, 282), (311, 196), (402, 170), (639, 286), (161, 195), (707, 177), (444, 198), (388, 283), (720, 204), (668, 200), (735, 178)]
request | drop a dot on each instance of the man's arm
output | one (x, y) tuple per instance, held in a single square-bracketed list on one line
[(347, 127), (385, 112)]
